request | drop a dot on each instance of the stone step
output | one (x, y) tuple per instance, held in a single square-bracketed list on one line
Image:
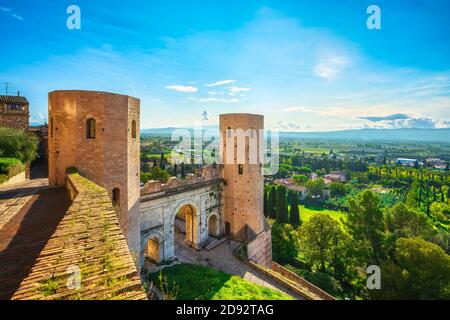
[(215, 243)]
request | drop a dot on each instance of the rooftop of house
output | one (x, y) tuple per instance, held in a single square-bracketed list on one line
[(290, 184), (13, 99)]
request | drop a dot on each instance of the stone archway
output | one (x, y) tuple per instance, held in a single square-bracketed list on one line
[(185, 220), (152, 249), (213, 226)]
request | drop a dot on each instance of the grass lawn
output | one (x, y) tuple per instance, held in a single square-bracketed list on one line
[(202, 283), (307, 213)]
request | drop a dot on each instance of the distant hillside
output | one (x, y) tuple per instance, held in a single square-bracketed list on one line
[(410, 135)]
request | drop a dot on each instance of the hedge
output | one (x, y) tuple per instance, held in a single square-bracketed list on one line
[(9, 167)]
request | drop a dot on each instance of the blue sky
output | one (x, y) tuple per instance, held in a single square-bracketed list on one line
[(305, 65)]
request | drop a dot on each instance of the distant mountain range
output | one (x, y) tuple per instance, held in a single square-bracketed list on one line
[(410, 135)]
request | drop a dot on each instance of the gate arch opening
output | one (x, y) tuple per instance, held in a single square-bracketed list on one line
[(185, 223), (213, 226), (153, 250)]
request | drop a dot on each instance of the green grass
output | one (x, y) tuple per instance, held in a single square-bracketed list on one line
[(202, 283), (307, 212)]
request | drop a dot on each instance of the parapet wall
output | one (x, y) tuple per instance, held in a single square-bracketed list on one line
[(87, 245), (206, 174)]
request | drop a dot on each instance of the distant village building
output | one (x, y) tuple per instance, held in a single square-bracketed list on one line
[(436, 163), (336, 176), (14, 112), (291, 185), (407, 162)]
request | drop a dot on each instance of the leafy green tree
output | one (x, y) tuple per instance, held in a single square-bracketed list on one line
[(300, 179), (321, 240), (338, 189), (294, 214), (282, 213), (315, 187), (365, 222), (18, 144), (284, 243), (406, 222), (272, 202), (156, 173), (440, 210), (422, 271)]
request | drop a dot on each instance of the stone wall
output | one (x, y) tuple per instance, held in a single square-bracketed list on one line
[(88, 244), (259, 249), (18, 178)]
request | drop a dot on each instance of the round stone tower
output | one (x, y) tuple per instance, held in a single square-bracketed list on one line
[(98, 133), (244, 185)]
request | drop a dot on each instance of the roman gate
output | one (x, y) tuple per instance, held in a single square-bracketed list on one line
[(191, 208)]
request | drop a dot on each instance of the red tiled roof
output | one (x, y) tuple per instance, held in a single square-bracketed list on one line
[(13, 99)]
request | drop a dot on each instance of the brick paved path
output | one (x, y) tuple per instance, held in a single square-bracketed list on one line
[(13, 198), (25, 234)]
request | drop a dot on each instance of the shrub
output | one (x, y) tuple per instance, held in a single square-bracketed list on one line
[(9, 167), (18, 144)]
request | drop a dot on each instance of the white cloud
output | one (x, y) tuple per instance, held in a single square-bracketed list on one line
[(212, 99), (410, 123), (235, 89), (10, 12), (180, 88), (295, 109), (285, 126), (219, 83), (330, 67)]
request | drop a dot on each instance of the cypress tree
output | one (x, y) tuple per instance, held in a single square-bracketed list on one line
[(162, 162), (294, 215), (175, 171), (282, 214), (183, 173), (272, 202), (266, 205)]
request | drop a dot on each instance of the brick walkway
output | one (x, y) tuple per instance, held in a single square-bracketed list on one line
[(25, 234), (222, 258), (13, 198)]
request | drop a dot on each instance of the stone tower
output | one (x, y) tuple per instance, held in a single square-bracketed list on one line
[(98, 133), (243, 194)]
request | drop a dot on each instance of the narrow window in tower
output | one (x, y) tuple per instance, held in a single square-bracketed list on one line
[(241, 169), (51, 127), (229, 132), (116, 197), (90, 128), (133, 129)]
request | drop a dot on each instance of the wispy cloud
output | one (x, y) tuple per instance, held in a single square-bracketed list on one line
[(11, 13), (235, 89), (391, 117), (219, 83), (213, 99), (330, 67), (180, 88)]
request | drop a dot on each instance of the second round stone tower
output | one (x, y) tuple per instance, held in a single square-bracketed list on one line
[(243, 196)]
